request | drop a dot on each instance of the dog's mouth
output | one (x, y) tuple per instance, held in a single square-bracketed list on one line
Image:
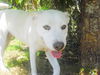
[(56, 54)]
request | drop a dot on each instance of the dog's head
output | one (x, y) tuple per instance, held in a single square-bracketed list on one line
[(52, 27)]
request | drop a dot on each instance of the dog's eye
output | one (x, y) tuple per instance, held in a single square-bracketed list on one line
[(63, 27), (46, 27)]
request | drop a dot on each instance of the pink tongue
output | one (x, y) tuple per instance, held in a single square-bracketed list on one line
[(56, 54)]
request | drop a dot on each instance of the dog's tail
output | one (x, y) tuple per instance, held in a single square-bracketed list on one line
[(4, 6)]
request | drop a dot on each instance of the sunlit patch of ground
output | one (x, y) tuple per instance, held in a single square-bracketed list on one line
[(17, 63), (16, 58)]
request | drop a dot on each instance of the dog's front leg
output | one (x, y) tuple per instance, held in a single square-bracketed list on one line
[(33, 61), (53, 61)]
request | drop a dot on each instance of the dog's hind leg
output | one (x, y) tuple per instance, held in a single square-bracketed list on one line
[(55, 65), (3, 43), (3, 39)]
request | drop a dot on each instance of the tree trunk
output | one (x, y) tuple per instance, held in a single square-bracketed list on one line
[(90, 39)]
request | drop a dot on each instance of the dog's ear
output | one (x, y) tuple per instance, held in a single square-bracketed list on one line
[(67, 14), (36, 14)]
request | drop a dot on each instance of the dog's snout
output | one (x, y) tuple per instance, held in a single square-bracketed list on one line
[(58, 45)]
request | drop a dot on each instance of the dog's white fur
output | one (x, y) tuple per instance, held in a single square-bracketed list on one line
[(28, 27)]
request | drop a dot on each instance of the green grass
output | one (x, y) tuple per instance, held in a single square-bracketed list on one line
[(16, 57), (15, 45)]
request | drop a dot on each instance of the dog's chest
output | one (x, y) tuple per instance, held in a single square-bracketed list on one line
[(41, 45)]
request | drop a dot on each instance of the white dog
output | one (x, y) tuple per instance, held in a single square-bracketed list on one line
[(45, 30)]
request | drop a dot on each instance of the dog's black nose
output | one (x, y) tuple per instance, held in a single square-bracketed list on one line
[(58, 45)]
